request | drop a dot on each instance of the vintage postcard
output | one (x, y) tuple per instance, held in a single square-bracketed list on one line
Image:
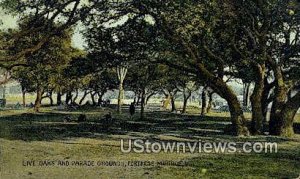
[(131, 89)]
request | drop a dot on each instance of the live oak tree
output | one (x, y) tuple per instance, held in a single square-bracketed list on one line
[(284, 63), (40, 66), (191, 34), (101, 83), (207, 41), (187, 84), (103, 49), (62, 82), (211, 40), (116, 45), (267, 41), (64, 13), (144, 78), (169, 85), (107, 50), (187, 89)]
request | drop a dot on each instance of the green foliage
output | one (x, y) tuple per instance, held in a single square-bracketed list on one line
[(44, 66), (144, 77), (9, 6)]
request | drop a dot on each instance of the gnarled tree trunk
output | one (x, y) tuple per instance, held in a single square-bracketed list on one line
[(279, 101), (24, 98), (173, 106), (58, 98), (256, 101), (51, 98), (83, 97), (100, 96), (239, 123), (204, 102), (138, 101), (266, 99), (75, 97), (286, 117), (38, 100), (186, 95), (210, 102), (68, 98), (246, 94), (143, 98), (93, 98)]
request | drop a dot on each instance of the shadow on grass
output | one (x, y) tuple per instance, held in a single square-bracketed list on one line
[(50, 126)]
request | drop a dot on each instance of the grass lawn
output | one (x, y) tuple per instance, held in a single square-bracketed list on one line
[(25, 136)]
